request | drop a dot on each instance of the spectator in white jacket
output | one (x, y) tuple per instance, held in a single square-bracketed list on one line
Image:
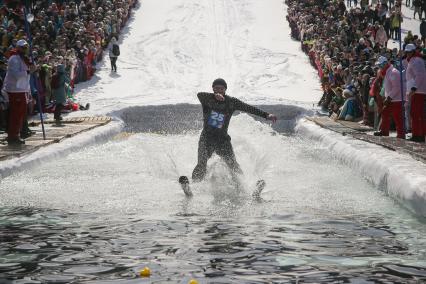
[(392, 105), (416, 84), (381, 37), (17, 86)]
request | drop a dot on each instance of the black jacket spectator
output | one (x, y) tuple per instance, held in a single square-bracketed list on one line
[(423, 28)]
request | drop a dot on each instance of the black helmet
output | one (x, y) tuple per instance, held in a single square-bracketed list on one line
[(221, 82)]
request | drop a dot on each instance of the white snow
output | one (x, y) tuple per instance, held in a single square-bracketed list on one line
[(397, 174), (173, 49), (66, 146)]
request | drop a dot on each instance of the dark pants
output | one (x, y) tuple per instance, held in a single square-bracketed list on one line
[(206, 148), (58, 110), (396, 33), (25, 129), (4, 117), (113, 63)]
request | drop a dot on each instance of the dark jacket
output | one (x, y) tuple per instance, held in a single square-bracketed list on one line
[(423, 28), (60, 93), (217, 115)]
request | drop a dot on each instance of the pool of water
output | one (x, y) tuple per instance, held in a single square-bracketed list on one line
[(101, 214)]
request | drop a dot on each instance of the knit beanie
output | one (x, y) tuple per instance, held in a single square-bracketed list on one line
[(221, 82)]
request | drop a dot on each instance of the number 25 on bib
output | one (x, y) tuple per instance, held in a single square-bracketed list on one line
[(216, 119)]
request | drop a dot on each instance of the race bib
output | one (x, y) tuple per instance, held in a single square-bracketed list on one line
[(216, 119)]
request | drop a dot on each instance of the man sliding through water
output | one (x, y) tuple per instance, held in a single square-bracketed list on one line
[(217, 112)]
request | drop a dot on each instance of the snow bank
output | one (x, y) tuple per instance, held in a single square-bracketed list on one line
[(56, 151), (397, 174)]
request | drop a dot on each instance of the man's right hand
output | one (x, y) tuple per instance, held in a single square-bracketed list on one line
[(219, 97)]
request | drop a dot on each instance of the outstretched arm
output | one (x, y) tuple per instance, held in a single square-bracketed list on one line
[(241, 106)]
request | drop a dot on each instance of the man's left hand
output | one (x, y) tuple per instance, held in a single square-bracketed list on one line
[(272, 117)]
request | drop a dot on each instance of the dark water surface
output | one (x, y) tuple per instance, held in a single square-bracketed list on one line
[(57, 247)]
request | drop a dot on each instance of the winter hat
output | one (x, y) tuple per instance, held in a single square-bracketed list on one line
[(381, 61), (347, 93), (221, 82), (21, 43), (409, 47)]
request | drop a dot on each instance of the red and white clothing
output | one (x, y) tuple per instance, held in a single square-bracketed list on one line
[(392, 81), (17, 86), (416, 74), (416, 78)]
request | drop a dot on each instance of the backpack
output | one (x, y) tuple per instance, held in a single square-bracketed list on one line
[(54, 83), (115, 50)]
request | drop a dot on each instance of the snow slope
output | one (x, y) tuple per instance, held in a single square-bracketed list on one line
[(173, 49)]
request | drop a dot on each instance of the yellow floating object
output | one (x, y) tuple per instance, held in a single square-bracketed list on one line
[(145, 272), (193, 281)]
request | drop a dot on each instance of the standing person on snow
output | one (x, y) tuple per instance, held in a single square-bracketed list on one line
[(416, 85), (423, 27), (59, 91), (392, 103), (114, 53), (17, 86), (217, 112)]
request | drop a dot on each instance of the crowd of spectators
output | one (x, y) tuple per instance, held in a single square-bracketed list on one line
[(345, 43), (68, 33)]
